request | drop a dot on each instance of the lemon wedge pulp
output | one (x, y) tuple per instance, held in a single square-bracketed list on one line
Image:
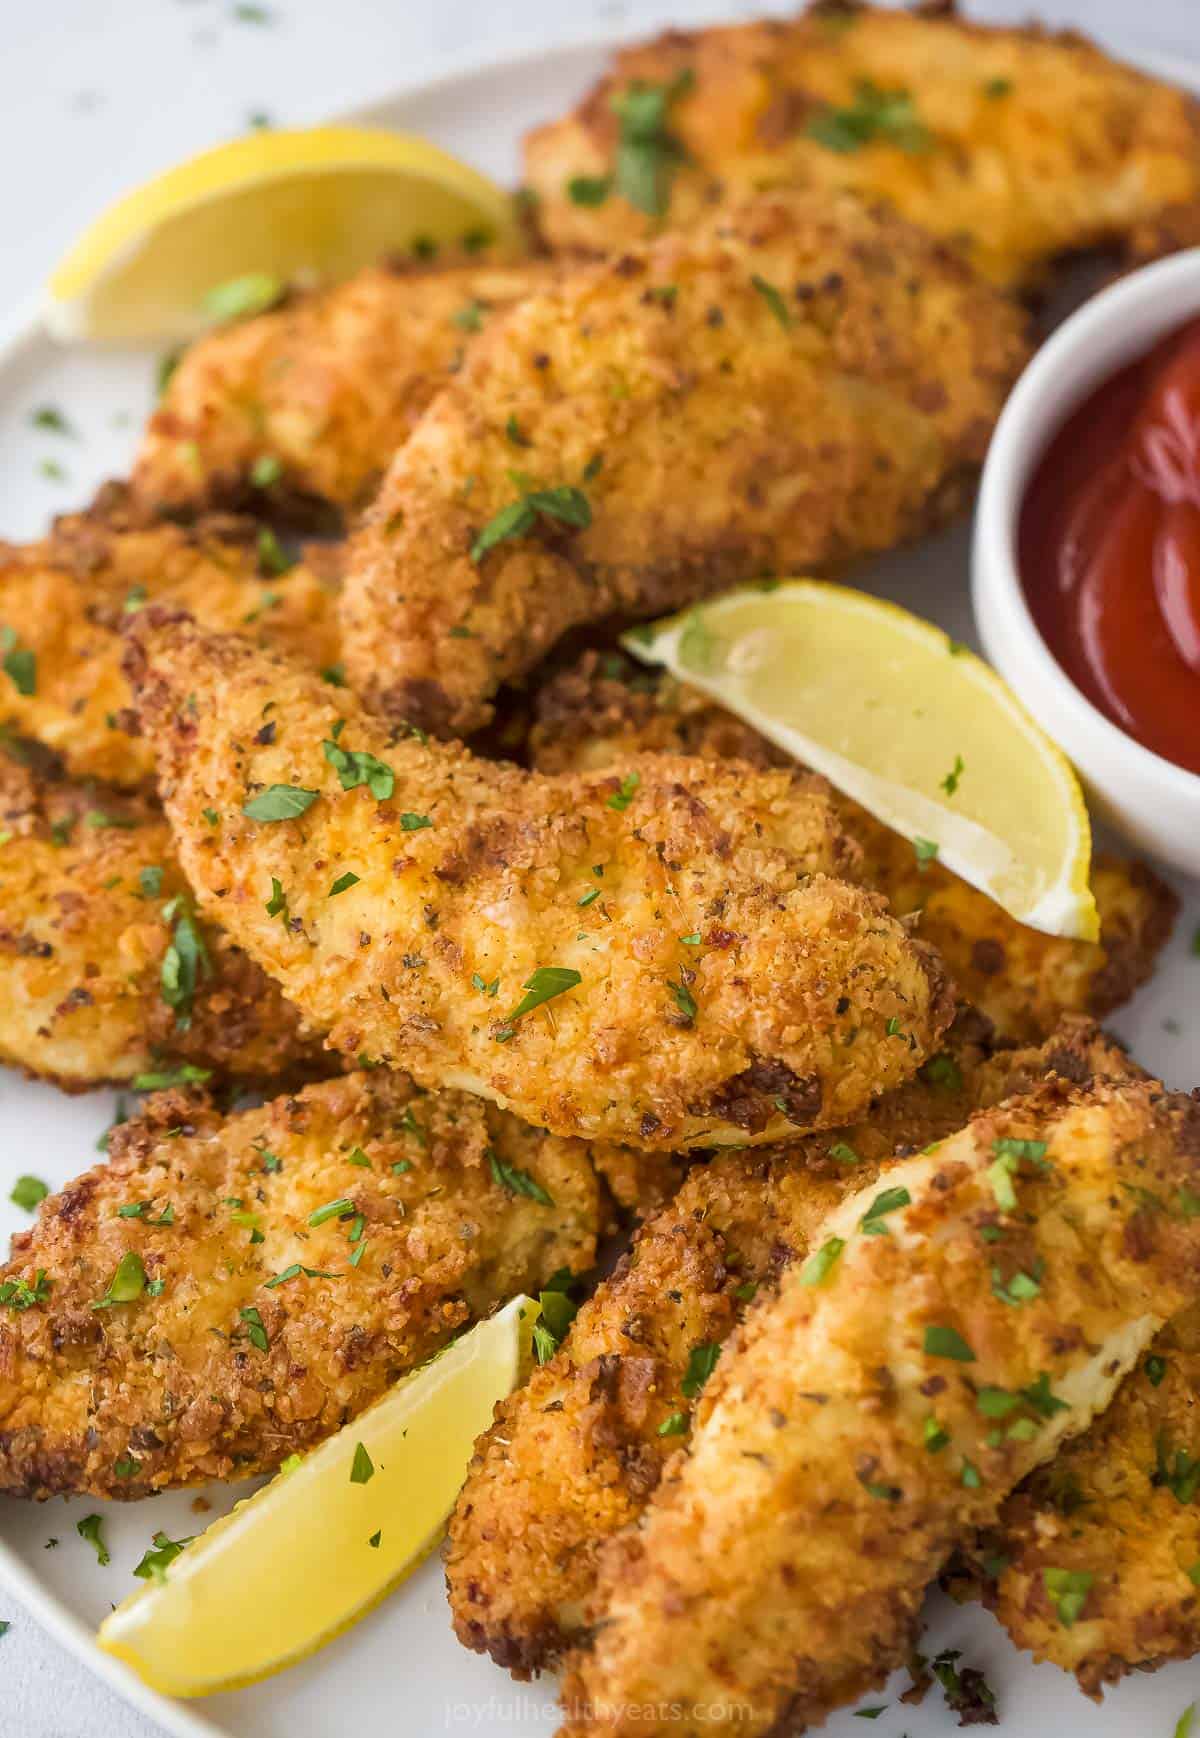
[(914, 727), (280, 205), (317, 1548)]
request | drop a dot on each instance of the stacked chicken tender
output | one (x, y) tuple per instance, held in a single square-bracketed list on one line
[(917, 1245)]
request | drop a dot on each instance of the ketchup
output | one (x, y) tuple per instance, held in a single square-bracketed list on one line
[(1109, 548)]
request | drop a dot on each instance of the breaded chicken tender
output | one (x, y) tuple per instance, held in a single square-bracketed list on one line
[(227, 1291), (803, 381), (1016, 145), (1116, 1513), (947, 1334), (62, 601), (604, 709), (298, 410), (576, 1454), (659, 956), (106, 976)]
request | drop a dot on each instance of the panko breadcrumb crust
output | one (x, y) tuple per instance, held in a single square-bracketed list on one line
[(723, 986), (257, 1333), (802, 381), (1016, 146)]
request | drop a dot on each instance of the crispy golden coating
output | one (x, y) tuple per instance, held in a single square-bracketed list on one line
[(213, 1371), (575, 1455), (802, 382), (605, 709), (64, 600), (657, 957), (1017, 145), (91, 898), (319, 392), (876, 1411), (1116, 1507)]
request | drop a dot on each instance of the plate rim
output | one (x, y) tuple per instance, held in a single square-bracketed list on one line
[(23, 330)]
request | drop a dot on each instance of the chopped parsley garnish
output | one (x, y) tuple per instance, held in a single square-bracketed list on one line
[(294, 1272), (871, 1223), (1179, 1474), (589, 189), (925, 850), (648, 153), (477, 983), (692, 940), (563, 506), (545, 983), (187, 1074), (943, 1072), (684, 999), (127, 1283), (621, 798), (592, 894), (469, 318), (374, 1540), (881, 1493), (951, 780), (127, 1467), (280, 803), (1021, 1288), (18, 1294), (516, 1181), (184, 963), (162, 1553), (942, 1342), (339, 1209), (335, 675), (410, 823), (773, 299), (27, 1192), (255, 292), (255, 1332), (356, 767), (362, 1468), (273, 559), (935, 1437), (515, 433), (997, 87), (820, 1265), (875, 116), (844, 1153), (266, 470), (675, 1424), (702, 1361), (1155, 1368), (343, 884), (18, 663), (150, 881), (50, 418), (1067, 1590), (967, 1693), (89, 1528), (558, 1312)]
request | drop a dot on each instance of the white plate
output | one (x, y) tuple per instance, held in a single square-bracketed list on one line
[(400, 1671)]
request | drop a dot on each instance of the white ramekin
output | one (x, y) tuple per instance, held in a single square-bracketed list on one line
[(1156, 804)]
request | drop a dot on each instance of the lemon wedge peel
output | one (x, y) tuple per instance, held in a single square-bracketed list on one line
[(292, 1567), (833, 644), (321, 200)]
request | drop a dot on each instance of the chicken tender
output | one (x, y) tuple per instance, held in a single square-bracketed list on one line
[(227, 1291), (802, 382), (297, 411), (1115, 1511), (658, 957), (605, 709), (576, 1454), (947, 1334), (106, 975), (1016, 145), (62, 602)]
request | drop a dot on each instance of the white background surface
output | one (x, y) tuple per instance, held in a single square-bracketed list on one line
[(97, 94)]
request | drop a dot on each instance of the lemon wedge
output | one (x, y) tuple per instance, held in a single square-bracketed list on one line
[(911, 725), (317, 1548), (273, 207)]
